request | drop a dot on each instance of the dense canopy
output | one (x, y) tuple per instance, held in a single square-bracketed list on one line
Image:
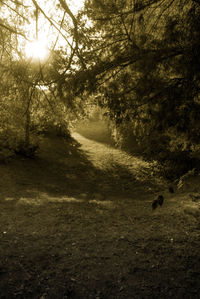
[(137, 60)]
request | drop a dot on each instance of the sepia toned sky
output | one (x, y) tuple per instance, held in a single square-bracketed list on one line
[(47, 35)]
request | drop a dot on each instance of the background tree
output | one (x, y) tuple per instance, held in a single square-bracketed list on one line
[(144, 63), (138, 60), (26, 94)]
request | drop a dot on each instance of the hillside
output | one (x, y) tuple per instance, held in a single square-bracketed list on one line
[(77, 222)]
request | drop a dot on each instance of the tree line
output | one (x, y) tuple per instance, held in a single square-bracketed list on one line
[(137, 60)]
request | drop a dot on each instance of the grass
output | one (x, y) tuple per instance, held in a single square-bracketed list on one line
[(76, 222)]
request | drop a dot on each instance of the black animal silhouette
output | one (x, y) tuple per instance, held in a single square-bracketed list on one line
[(171, 189), (157, 202)]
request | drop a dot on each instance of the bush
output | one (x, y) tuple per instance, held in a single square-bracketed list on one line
[(25, 150), (6, 154), (11, 143)]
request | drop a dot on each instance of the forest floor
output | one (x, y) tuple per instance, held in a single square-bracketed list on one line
[(77, 222)]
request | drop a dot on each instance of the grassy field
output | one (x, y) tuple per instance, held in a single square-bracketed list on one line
[(77, 222)]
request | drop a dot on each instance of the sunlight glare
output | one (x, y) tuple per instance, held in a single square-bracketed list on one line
[(76, 5), (36, 50)]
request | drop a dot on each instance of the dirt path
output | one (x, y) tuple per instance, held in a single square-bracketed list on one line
[(77, 223), (107, 157), (131, 173)]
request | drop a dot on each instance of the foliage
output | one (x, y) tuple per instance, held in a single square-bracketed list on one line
[(137, 60), (26, 109), (148, 74)]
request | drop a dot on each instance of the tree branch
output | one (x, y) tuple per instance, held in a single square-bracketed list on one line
[(75, 23), (52, 23), (15, 11), (12, 30)]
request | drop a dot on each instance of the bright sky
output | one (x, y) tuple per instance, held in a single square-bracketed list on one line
[(36, 50), (75, 5), (47, 35)]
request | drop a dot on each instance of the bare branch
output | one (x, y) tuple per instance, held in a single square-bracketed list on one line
[(12, 30), (75, 23), (52, 23), (19, 3), (15, 11)]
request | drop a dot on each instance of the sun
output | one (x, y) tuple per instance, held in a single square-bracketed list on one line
[(46, 33), (36, 50)]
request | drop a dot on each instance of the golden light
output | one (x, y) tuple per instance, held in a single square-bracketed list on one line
[(36, 50), (46, 33), (76, 5)]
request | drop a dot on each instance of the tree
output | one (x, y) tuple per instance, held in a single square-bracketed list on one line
[(144, 63), (138, 59)]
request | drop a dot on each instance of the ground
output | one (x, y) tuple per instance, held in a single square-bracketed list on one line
[(77, 222)]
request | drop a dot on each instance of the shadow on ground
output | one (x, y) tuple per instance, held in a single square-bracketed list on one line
[(109, 245), (63, 169)]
